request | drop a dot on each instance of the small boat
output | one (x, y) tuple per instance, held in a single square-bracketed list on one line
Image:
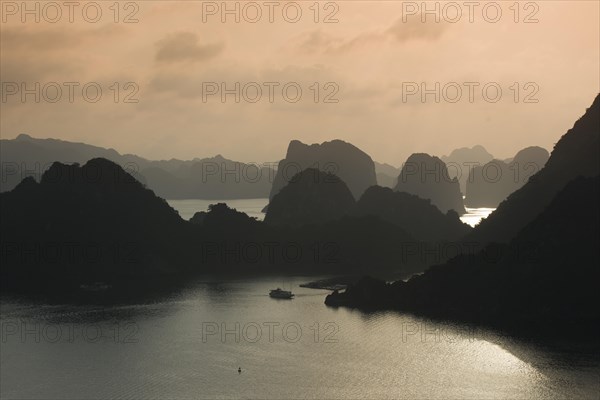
[(281, 294)]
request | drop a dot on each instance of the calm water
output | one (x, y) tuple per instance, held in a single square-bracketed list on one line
[(474, 215), (253, 208), (174, 349)]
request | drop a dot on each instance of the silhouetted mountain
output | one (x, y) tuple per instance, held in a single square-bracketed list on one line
[(88, 223), (231, 241), (207, 178), (26, 156), (221, 218), (387, 175), (460, 161), (427, 177), (344, 247), (545, 278), (488, 185), (352, 165), (311, 196), (576, 153), (415, 215), (316, 197), (96, 223), (98, 226)]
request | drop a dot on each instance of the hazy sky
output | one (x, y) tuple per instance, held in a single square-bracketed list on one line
[(373, 56)]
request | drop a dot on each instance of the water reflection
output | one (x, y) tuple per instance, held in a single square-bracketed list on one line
[(475, 215), (189, 345)]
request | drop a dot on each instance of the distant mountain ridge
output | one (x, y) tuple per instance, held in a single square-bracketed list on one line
[(206, 178), (461, 160), (387, 175), (489, 184)]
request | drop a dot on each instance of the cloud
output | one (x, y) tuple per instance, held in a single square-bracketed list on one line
[(399, 32), (184, 46), (34, 54), (361, 40), (316, 41), (414, 29), (22, 40)]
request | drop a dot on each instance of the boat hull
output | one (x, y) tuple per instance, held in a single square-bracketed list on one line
[(281, 295)]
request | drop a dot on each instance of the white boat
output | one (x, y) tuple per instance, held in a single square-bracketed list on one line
[(281, 294)]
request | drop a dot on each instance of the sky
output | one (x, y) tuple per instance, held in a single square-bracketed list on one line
[(158, 78)]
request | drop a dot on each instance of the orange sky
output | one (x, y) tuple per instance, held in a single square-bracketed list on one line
[(371, 57)]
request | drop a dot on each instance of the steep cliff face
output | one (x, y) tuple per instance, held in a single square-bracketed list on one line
[(427, 177), (349, 163), (311, 197), (489, 184), (575, 154)]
